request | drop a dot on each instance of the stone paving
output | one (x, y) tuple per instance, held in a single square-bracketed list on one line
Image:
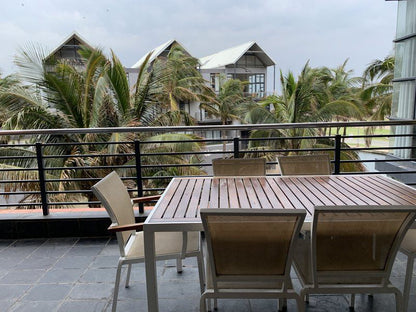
[(77, 274)]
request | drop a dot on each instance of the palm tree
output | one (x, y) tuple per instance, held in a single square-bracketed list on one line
[(378, 88), (67, 97), (229, 103), (179, 81), (318, 94), (377, 91)]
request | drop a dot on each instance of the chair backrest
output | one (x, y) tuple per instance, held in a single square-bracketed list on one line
[(360, 241), (239, 167), (113, 195), (251, 243), (304, 165)]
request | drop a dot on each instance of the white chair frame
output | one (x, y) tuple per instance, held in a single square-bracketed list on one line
[(286, 292), (128, 238), (384, 287), (411, 255)]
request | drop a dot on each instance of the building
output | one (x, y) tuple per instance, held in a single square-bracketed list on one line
[(158, 52), (68, 51), (246, 62), (403, 105)]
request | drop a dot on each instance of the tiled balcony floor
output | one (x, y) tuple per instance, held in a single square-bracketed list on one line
[(72, 274)]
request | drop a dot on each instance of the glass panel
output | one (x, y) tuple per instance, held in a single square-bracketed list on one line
[(401, 19), (405, 54), (406, 18), (403, 100)]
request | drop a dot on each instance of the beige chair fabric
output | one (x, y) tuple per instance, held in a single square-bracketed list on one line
[(169, 245), (352, 250), (239, 167), (408, 247), (250, 253), (304, 165)]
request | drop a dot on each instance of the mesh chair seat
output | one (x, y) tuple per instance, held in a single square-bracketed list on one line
[(304, 165), (113, 194), (166, 243), (250, 253), (352, 250), (239, 167)]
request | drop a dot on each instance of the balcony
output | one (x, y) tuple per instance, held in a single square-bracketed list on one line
[(77, 274), (57, 256)]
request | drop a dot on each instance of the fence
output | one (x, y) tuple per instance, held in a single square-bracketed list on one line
[(40, 172)]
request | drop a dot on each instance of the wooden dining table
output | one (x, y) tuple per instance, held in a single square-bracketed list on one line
[(178, 208)]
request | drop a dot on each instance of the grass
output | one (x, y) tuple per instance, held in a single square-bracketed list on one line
[(361, 131)]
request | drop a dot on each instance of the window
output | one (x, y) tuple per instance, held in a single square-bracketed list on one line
[(256, 84), (215, 81)]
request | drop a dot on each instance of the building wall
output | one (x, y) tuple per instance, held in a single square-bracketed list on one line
[(403, 106)]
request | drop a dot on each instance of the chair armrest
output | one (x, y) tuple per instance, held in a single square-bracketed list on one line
[(145, 199), (126, 227)]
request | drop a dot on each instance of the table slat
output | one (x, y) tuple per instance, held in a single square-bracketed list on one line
[(184, 197), (241, 192), (192, 211), (251, 194)]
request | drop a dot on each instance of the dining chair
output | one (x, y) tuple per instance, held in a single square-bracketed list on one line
[(250, 253), (408, 247), (239, 167), (352, 249), (304, 165), (113, 195)]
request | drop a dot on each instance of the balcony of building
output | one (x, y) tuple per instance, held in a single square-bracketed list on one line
[(58, 256)]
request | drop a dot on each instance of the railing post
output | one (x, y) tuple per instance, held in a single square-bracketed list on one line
[(139, 181), (42, 183), (337, 154), (236, 148)]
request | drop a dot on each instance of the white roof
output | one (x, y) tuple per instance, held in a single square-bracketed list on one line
[(156, 52), (73, 35), (232, 55)]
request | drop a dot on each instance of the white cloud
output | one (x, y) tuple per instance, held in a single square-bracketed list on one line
[(291, 32)]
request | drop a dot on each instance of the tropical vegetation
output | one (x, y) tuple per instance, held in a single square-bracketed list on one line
[(54, 94), (62, 96)]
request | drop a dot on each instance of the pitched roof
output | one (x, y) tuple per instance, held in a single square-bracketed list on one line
[(74, 35), (232, 55), (158, 51)]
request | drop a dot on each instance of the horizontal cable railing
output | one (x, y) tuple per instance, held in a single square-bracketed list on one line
[(40, 174)]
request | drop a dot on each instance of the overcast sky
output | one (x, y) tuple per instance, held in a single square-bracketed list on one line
[(291, 32)]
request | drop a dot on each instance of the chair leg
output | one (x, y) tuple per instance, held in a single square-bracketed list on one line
[(179, 265), (399, 301), (300, 304), (201, 271), (116, 286), (128, 275), (408, 281), (282, 304), (352, 302), (307, 298), (202, 304)]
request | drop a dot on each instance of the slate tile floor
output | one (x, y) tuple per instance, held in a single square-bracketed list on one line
[(77, 274)]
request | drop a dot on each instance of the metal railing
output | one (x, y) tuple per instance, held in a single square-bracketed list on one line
[(40, 178)]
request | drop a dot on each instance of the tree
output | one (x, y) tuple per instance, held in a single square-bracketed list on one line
[(178, 81), (318, 94), (377, 91), (67, 97), (228, 104), (377, 88)]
